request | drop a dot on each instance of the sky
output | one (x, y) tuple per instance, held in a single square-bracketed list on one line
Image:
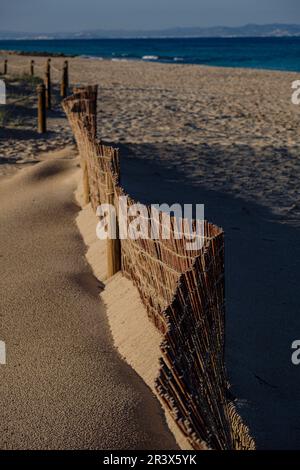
[(77, 15)]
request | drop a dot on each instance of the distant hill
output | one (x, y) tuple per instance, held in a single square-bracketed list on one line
[(249, 30)]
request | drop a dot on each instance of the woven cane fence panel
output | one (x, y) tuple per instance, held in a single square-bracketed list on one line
[(183, 292)]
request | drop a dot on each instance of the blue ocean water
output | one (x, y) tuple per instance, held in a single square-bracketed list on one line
[(260, 53)]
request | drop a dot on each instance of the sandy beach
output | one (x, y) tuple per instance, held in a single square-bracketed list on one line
[(227, 138), (64, 385), (240, 122)]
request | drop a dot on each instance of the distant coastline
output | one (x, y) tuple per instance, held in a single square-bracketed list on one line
[(245, 31)]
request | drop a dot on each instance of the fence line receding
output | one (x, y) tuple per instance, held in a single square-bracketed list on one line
[(183, 293)]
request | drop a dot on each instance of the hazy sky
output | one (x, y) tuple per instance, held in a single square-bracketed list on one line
[(74, 15)]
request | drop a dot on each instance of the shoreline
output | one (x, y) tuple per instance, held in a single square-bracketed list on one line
[(12, 52), (178, 61)]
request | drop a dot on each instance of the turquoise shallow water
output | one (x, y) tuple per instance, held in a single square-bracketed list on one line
[(260, 53)]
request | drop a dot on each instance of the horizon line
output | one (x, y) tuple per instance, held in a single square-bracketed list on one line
[(167, 28)]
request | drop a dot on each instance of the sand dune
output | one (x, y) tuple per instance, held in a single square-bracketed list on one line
[(135, 337), (64, 385)]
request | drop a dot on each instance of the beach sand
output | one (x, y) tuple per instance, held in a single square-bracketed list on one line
[(227, 138), (20, 144), (64, 385), (233, 130)]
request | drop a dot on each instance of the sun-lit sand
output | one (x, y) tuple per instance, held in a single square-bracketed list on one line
[(136, 339), (64, 385), (233, 130)]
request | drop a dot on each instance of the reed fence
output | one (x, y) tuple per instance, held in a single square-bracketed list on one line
[(183, 293)]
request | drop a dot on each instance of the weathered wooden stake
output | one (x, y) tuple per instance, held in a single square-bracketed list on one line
[(5, 67), (64, 81), (32, 68), (41, 92), (66, 66), (85, 180), (48, 84), (113, 240)]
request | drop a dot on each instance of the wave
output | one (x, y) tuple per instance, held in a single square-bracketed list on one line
[(118, 59), (127, 57), (163, 58), (150, 57), (94, 57)]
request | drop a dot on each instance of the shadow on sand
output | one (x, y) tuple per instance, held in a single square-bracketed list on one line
[(262, 295)]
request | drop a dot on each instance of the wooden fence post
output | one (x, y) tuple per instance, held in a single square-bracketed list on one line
[(32, 68), (5, 67), (48, 84), (113, 243), (66, 66), (48, 65), (65, 80), (85, 181), (41, 92)]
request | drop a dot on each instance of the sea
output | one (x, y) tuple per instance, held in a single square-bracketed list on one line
[(270, 53)]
